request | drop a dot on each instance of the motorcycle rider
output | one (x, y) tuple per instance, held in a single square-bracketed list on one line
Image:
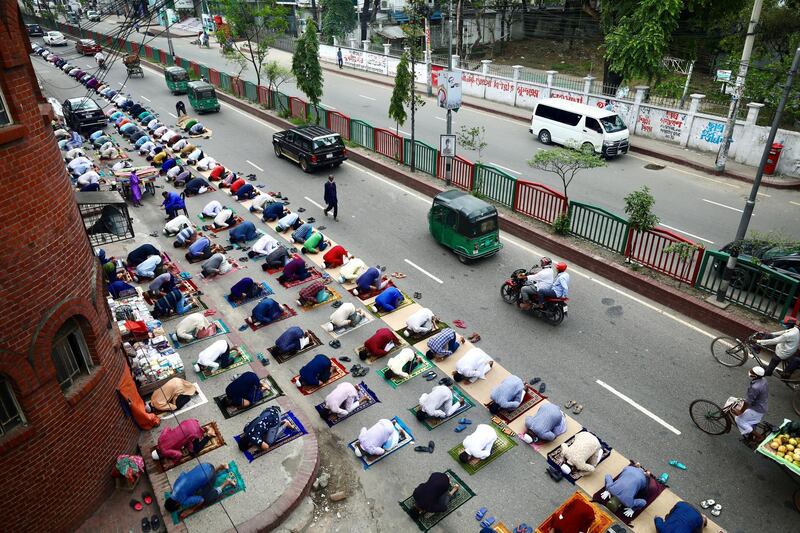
[(100, 57), (541, 280), (559, 289)]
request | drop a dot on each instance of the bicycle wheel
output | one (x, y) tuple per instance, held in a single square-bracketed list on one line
[(729, 351), (709, 417)]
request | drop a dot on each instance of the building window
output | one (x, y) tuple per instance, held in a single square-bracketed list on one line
[(5, 118), (10, 412), (70, 354)]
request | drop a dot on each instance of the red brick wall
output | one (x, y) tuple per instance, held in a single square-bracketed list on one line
[(57, 469)]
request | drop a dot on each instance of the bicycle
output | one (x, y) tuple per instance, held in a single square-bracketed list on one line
[(710, 418)]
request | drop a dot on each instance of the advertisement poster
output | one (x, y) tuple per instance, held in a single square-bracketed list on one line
[(448, 91)]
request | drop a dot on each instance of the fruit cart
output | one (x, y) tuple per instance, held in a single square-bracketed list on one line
[(131, 62), (783, 447)]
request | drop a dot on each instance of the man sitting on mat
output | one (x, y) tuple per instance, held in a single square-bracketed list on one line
[(388, 300), (265, 245), (211, 209), (342, 401), (345, 316), (369, 281), (682, 518), (421, 322), (439, 403), (630, 483), (245, 289), (274, 211), (383, 436), (315, 243), (193, 327), (216, 265), (263, 431), (287, 222), (245, 390), (161, 285), (443, 344), (246, 192), (195, 488), (196, 186), (382, 342), (175, 225), (302, 233), (224, 218), (187, 435), (171, 396), (352, 270), (479, 444), (267, 311), (314, 293), (172, 204), (199, 249), (294, 270), (434, 495), (548, 423), (244, 232), (583, 454), (507, 394), (473, 365), (315, 372), (137, 255), (292, 340), (402, 364), (148, 268), (217, 355), (336, 257)]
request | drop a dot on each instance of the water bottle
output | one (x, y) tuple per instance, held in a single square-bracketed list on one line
[(663, 478), (677, 464)]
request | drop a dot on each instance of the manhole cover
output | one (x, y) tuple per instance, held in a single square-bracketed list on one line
[(653, 166)]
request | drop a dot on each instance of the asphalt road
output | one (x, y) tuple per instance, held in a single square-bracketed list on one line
[(654, 356), (702, 207)]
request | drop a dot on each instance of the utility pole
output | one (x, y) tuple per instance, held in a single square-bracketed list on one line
[(686, 85), (169, 38), (722, 155), (414, 45), (448, 163), (751, 200)]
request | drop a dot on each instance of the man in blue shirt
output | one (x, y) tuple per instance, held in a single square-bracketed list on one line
[(630, 483), (267, 311), (755, 405), (508, 394), (315, 372), (560, 288), (195, 488), (172, 204), (683, 518), (246, 231), (199, 249), (292, 340)]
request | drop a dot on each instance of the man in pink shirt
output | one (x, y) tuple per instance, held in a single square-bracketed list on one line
[(172, 441)]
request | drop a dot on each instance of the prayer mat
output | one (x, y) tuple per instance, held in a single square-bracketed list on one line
[(391, 353), (196, 401), (414, 338), (222, 329), (236, 221), (289, 435), (337, 372), (232, 473), (426, 521), (601, 520), (556, 459), (369, 460), (314, 274), (266, 291), (363, 391), (288, 312), (531, 398), (501, 446), (333, 297), (242, 357), (431, 423), (197, 305), (500, 527), (272, 271), (364, 296), (217, 441), (229, 411), (283, 357), (405, 303), (338, 332), (396, 382), (235, 266), (651, 492)]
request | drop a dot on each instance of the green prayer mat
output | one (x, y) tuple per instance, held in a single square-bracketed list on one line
[(243, 357), (501, 446), (233, 473), (396, 382), (431, 423), (405, 303), (427, 521)]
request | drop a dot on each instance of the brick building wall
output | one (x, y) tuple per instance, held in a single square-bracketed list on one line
[(55, 469)]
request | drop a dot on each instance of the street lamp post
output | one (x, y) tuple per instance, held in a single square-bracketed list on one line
[(448, 162), (169, 38)]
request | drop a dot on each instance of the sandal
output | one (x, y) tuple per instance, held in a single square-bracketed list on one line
[(459, 428), (431, 378), (570, 403), (459, 323), (481, 513), (465, 421), (542, 387), (417, 295), (398, 275), (421, 449), (335, 344), (577, 409), (345, 359), (488, 522), (136, 505), (336, 304), (301, 209), (147, 497), (705, 504), (536, 380), (145, 525), (431, 446), (155, 522)]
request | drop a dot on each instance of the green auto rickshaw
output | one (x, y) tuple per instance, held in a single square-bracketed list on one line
[(465, 224), (202, 96), (177, 79)]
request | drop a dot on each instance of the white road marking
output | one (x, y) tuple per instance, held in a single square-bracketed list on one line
[(764, 195), (254, 119), (794, 203), (143, 97), (254, 165), (639, 407), (687, 233), (504, 168), (440, 118), (367, 97), (313, 202), (434, 278), (326, 106), (723, 205), (172, 115), (121, 84)]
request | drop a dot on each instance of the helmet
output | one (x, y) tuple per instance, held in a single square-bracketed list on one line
[(545, 262), (561, 267)]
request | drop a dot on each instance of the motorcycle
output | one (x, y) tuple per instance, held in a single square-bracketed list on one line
[(101, 64), (554, 310)]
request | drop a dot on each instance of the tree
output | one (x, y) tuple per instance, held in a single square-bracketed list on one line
[(638, 207), (414, 32), (565, 163), (339, 18), (306, 68), (402, 92), (276, 75), (473, 139), (256, 26)]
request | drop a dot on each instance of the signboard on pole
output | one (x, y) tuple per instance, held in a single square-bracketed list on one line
[(447, 145), (724, 76), (448, 89)]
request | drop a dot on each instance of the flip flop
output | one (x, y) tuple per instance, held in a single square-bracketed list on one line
[(481, 513), (301, 209), (459, 323), (423, 449), (431, 378), (542, 387), (460, 428), (345, 359), (488, 522), (577, 409), (464, 420), (431, 446), (570, 403), (536, 380), (398, 275), (147, 497), (311, 220), (155, 522), (145, 525), (417, 295), (136, 505), (446, 381), (243, 327), (321, 228), (705, 504), (335, 344), (336, 304)]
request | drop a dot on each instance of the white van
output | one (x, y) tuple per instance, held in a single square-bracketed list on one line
[(559, 121)]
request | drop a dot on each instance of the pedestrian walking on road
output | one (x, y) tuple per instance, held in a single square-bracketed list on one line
[(180, 108), (339, 57), (331, 201)]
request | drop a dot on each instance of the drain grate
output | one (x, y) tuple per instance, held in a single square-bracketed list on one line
[(653, 166)]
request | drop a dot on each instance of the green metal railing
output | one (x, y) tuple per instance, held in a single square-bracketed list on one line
[(753, 286), (424, 156), (225, 82), (281, 102), (251, 91), (362, 133), (204, 72), (494, 184), (598, 226), (314, 111)]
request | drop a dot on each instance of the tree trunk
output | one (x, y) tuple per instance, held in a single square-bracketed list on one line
[(376, 5), (460, 30), (314, 13), (611, 80), (364, 20), (413, 106)]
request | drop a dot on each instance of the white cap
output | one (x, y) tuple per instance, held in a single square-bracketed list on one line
[(155, 455), (566, 469), (758, 371), (328, 326)]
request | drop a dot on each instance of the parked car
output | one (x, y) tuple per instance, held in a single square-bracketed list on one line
[(94, 16), (783, 258), (55, 38), (83, 113), (311, 147), (34, 30), (88, 47)]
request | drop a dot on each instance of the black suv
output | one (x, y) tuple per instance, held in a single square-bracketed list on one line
[(312, 147), (83, 114), (34, 30)]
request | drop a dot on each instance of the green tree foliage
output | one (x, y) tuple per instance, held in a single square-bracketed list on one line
[(338, 18), (401, 94), (306, 67), (473, 138), (253, 29), (565, 163), (638, 206), (276, 75)]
